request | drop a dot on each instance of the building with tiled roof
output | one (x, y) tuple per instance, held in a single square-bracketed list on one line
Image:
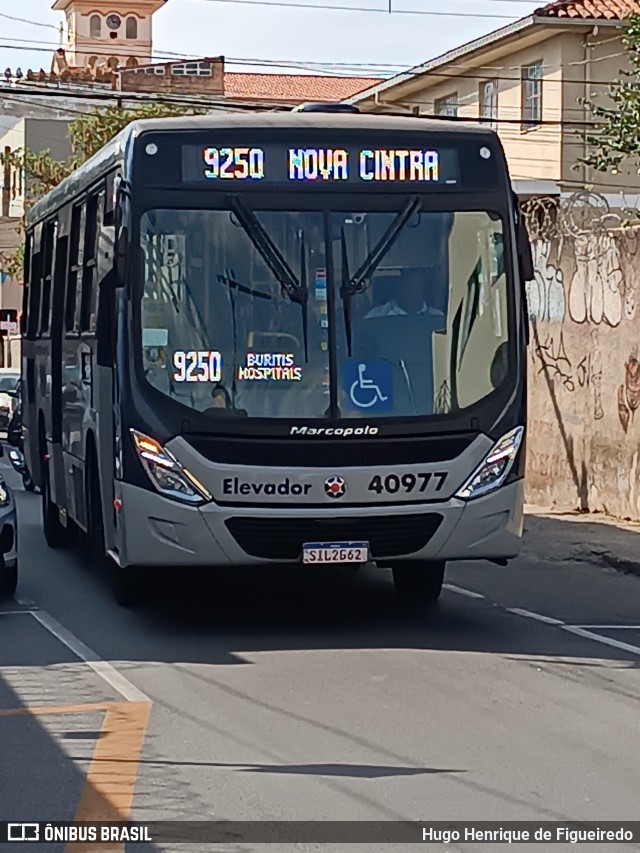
[(293, 88), (528, 80), (593, 10)]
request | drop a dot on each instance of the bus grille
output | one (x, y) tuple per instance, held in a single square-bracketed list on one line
[(282, 538)]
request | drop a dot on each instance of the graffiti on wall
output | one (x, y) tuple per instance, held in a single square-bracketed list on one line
[(597, 291), (545, 294), (553, 361), (586, 264), (583, 306), (629, 391)]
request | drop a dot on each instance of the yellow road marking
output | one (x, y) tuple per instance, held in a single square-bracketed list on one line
[(111, 779), (42, 710)]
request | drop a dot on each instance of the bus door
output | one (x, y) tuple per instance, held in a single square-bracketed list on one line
[(78, 363), (54, 426), (30, 323)]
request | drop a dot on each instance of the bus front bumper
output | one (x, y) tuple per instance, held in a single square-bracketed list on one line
[(155, 531)]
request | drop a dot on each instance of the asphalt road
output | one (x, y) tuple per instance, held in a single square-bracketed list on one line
[(312, 696)]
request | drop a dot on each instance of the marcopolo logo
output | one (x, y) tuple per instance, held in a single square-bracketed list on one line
[(285, 488), (337, 432)]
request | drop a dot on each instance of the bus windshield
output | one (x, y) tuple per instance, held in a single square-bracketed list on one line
[(240, 306)]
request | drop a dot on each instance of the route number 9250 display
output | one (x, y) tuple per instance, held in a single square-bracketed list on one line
[(192, 366), (394, 484), (234, 163)]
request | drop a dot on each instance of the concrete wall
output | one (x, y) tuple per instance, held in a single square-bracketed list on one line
[(584, 361)]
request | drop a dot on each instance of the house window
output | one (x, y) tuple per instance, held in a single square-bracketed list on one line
[(532, 95), (192, 69), (131, 62), (132, 28), (489, 102), (447, 106), (95, 27)]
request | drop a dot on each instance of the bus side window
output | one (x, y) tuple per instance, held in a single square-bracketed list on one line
[(33, 314), (27, 286), (88, 302), (49, 233), (75, 265), (60, 262)]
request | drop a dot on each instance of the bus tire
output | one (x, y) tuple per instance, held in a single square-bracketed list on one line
[(55, 533), (8, 579), (95, 522), (419, 583)]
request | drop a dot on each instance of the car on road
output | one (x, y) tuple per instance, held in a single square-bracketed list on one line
[(8, 539), (9, 381)]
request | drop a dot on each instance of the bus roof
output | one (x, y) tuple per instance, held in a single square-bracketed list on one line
[(118, 149)]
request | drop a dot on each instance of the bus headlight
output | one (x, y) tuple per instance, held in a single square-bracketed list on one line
[(167, 475), (5, 499), (495, 467)]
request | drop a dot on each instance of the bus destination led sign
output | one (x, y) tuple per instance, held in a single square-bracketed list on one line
[(325, 165)]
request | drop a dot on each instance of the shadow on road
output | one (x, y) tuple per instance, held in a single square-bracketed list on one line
[(39, 780), (213, 616)]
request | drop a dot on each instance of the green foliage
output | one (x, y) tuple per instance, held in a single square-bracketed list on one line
[(87, 134), (616, 139)]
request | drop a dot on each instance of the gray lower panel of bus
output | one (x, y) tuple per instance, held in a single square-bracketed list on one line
[(156, 531)]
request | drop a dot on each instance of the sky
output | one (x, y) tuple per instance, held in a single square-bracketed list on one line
[(279, 36)]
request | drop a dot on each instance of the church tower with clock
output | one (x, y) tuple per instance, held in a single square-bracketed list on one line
[(108, 32)]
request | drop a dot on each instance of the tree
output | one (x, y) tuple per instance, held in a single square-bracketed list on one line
[(87, 134), (616, 139)]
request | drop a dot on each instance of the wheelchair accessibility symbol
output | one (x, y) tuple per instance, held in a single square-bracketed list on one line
[(369, 385)]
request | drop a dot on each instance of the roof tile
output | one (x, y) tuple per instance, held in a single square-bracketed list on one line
[(609, 10), (293, 87)]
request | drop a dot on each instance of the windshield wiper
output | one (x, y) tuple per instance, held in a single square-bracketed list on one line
[(344, 292), (269, 251), (359, 282), (297, 291), (230, 281)]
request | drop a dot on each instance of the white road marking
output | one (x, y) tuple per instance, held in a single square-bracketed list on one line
[(460, 591), (101, 667), (14, 612), (577, 630), (607, 641), (609, 627), (518, 611)]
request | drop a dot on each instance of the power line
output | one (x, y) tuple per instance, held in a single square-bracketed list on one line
[(169, 55), (399, 68), (198, 102), (227, 103), (374, 69), (387, 11), (361, 68), (25, 21)]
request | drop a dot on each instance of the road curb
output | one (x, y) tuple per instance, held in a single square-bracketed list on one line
[(620, 564), (592, 538)]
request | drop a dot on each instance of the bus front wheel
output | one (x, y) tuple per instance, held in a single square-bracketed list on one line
[(419, 583)]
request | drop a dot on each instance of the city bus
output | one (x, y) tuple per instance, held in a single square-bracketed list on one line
[(281, 338)]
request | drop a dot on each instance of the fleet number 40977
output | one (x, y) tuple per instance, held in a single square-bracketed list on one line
[(393, 483)]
